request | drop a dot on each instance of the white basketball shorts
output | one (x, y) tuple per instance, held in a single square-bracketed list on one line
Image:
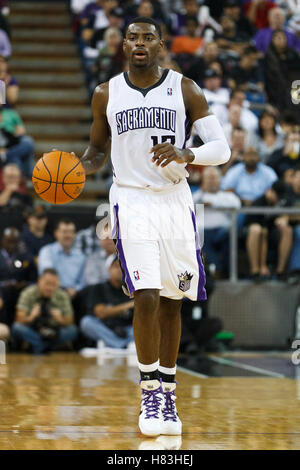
[(157, 240)]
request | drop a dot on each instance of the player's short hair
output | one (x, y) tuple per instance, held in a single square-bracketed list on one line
[(145, 19)]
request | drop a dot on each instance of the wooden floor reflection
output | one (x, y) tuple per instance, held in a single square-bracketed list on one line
[(64, 401)]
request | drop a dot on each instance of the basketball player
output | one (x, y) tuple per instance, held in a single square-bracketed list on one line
[(145, 112)]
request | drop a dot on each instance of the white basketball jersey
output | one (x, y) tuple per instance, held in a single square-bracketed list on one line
[(139, 119)]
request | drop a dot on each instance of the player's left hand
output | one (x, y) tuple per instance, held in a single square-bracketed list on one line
[(166, 153)]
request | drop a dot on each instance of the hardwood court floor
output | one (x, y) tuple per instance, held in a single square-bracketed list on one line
[(63, 401)]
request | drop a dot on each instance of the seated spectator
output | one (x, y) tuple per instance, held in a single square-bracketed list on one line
[(44, 315), (230, 39), (283, 63), (11, 84), (288, 122), (197, 68), (5, 45), (68, 261), (266, 230), (166, 60), (257, 11), (249, 180), (277, 19), (213, 91), (61, 255), (234, 120), (95, 17), (17, 269), (190, 42), (21, 152), (232, 9), (248, 120), (202, 13), (4, 329), (237, 143), (109, 315), (267, 140), (111, 59), (34, 233), (288, 156), (294, 220), (12, 195), (95, 271), (247, 75), (116, 21), (216, 223)]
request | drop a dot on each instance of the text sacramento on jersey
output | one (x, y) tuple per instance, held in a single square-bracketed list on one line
[(143, 118)]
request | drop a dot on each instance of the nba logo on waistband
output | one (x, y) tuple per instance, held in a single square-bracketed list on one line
[(169, 91), (136, 275)]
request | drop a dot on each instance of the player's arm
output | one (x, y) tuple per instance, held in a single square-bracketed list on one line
[(98, 150), (214, 151)]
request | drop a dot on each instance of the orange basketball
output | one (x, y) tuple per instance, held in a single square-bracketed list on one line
[(58, 177)]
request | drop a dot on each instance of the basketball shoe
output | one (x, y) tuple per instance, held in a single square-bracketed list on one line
[(150, 419), (171, 423)]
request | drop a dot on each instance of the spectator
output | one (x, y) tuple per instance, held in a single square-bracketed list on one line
[(5, 46), (267, 139), (263, 37), (288, 156), (95, 271), (11, 84), (234, 120), (95, 17), (216, 223), (22, 152), (64, 257), (4, 329), (248, 120), (257, 12), (237, 145), (232, 9), (213, 91), (12, 195), (197, 68), (190, 42), (249, 180), (34, 233), (288, 122), (247, 74), (109, 314), (87, 240), (265, 230), (294, 265), (44, 315), (166, 60), (111, 59), (230, 39), (284, 64), (202, 13), (17, 269)]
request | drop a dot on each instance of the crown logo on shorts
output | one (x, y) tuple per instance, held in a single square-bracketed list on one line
[(185, 281)]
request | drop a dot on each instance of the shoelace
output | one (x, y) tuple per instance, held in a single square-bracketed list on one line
[(152, 402), (169, 410)]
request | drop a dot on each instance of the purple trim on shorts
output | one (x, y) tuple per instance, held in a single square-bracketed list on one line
[(122, 259), (201, 293)]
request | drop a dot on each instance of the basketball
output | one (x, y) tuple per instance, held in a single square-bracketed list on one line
[(58, 177)]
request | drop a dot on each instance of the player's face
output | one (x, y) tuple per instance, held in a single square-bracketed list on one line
[(142, 44)]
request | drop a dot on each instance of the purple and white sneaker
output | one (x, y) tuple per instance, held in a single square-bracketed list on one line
[(150, 419), (171, 425)]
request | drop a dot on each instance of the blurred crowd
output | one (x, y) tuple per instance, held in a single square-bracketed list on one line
[(64, 286), (16, 146)]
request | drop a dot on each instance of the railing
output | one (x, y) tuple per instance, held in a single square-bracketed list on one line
[(233, 264)]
